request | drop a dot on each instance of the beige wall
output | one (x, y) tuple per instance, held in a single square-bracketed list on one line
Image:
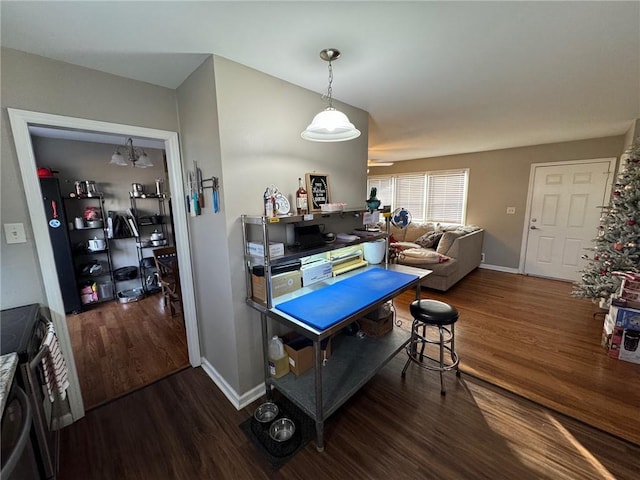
[(31, 82), (499, 179), (80, 160), (260, 119), (244, 127)]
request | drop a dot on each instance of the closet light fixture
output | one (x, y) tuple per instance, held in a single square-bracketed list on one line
[(136, 157), (330, 125)]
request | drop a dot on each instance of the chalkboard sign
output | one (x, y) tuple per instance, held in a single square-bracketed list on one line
[(317, 190)]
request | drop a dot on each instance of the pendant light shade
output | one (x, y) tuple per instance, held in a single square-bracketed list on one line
[(135, 157), (330, 125)]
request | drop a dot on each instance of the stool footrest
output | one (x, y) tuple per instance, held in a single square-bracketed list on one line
[(419, 359)]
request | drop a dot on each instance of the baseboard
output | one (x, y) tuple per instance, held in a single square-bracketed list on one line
[(499, 268), (238, 401)]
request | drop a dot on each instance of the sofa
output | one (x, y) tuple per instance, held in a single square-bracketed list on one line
[(449, 252)]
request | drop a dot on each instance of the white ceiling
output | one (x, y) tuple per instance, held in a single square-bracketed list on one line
[(437, 78)]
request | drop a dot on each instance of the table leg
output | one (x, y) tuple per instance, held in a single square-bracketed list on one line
[(317, 348), (265, 355)]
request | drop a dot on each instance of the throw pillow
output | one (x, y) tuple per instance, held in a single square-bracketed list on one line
[(447, 240), (429, 239)]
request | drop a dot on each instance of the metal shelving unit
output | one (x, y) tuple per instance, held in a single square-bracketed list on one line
[(145, 228), (354, 361), (83, 257)]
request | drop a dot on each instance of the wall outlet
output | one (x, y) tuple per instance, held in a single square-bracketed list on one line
[(511, 210), (482, 257), (14, 233)]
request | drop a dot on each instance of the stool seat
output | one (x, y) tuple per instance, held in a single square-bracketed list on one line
[(433, 312)]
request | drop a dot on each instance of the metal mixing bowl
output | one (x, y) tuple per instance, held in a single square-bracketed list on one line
[(282, 429), (266, 412)]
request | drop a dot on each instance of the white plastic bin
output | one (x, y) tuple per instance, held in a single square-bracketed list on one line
[(374, 251)]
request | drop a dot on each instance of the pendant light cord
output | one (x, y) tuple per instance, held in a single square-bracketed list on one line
[(329, 94)]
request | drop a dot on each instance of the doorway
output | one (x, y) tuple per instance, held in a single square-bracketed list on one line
[(563, 215), (20, 122)]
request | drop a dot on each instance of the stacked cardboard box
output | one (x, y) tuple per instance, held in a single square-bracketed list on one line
[(300, 351), (379, 322), (622, 333)]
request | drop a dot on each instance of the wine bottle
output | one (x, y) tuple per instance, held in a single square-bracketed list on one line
[(269, 207), (301, 199)]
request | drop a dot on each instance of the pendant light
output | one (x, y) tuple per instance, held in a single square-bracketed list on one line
[(330, 125), (136, 157)]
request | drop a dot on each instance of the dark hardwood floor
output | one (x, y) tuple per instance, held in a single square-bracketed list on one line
[(183, 427), (529, 336), (119, 348), (523, 333)]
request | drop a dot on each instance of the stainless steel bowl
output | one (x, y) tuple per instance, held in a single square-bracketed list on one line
[(266, 412), (282, 429)]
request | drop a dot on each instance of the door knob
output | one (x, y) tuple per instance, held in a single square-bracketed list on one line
[(533, 227)]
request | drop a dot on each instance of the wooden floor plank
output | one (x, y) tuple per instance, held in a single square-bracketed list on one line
[(529, 336), (121, 347), (183, 427)]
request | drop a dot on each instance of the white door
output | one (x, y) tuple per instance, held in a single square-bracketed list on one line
[(564, 215)]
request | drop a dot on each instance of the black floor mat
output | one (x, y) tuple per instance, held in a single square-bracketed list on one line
[(279, 453)]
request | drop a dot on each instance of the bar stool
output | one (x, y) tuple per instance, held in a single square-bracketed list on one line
[(432, 313)]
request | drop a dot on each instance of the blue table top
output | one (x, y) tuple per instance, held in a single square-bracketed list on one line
[(325, 307)]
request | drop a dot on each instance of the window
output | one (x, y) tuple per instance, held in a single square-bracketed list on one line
[(439, 196)]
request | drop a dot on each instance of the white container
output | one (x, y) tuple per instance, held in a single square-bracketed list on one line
[(278, 359), (374, 251), (96, 245), (276, 249)]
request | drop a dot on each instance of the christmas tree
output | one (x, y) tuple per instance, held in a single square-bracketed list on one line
[(616, 247)]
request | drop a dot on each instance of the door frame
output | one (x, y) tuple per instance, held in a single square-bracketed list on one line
[(527, 214), (20, 121)]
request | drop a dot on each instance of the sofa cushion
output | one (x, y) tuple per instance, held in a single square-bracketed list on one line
[(447, 240), (421, 256), (403, 245), (415, 231), (429, 239), (397, 233)]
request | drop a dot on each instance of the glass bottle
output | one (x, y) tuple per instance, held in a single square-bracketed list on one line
[(301, 199)]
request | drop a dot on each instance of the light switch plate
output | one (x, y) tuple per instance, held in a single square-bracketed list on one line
[(14, 233)]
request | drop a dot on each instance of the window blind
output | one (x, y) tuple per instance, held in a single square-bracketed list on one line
[(439, 196)]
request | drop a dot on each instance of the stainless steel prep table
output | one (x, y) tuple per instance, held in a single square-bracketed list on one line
[(355, 360)]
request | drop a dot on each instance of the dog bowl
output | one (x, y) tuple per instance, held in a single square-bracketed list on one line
[(266, 412), (282, 429)]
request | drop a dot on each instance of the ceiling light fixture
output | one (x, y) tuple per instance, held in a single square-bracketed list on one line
[(374, 163), (330, 125), (138, 158)]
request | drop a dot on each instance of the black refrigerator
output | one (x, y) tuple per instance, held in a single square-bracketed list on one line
[(59, 234)]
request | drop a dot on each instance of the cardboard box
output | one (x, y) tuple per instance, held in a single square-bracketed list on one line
[(625, 344), (280, 284), (607, 331), (380, 312), (377, 328), (625, 317), (316, 272), (300, 351), (276, 249)]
